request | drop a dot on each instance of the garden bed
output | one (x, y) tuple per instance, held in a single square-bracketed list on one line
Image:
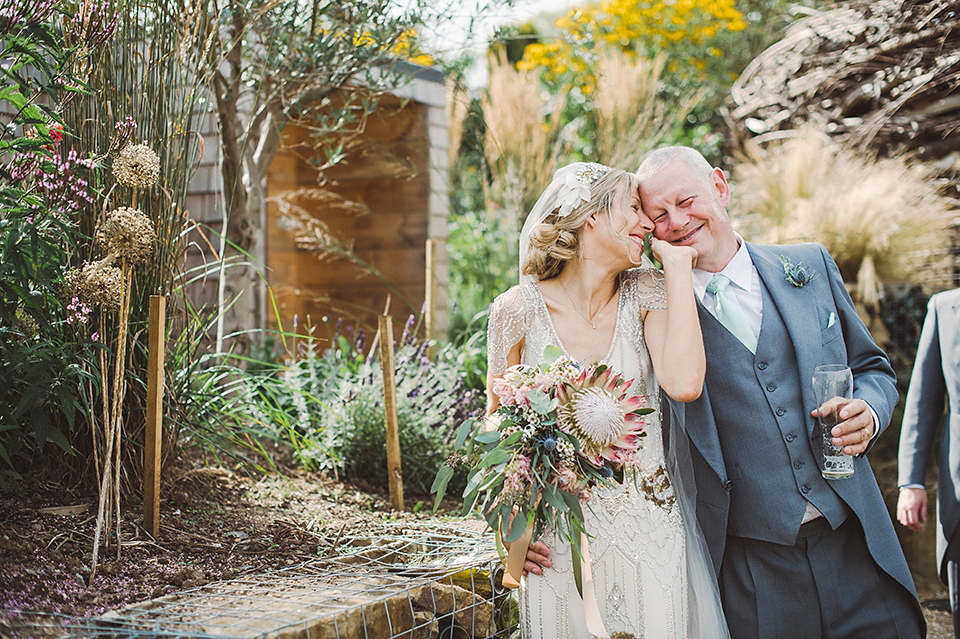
[(216, 525)]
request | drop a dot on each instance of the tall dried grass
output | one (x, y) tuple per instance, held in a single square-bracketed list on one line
[(631, 118), (869, 213), (458, 103), (523, 138)]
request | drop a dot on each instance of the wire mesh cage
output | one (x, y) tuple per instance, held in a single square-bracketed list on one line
[(426, 581)]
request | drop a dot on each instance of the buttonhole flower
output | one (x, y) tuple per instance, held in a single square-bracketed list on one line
[(796, 274)]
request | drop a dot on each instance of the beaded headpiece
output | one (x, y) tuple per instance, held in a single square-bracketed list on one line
[(576, 187)]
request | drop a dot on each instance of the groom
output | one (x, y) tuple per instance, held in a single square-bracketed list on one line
[(797, 556)]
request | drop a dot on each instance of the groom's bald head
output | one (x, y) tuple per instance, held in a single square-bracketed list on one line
[(658, 159)]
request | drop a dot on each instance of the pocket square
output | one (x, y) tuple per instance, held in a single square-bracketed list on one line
[(831, 320)]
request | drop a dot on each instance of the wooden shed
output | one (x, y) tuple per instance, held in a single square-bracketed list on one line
[(371, 233)]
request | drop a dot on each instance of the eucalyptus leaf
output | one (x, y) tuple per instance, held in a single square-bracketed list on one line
[(465, 428), (494, 457), (517, 527), (488, 437), (440, 484)]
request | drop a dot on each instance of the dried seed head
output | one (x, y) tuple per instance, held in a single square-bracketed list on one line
[(128, 233), (96, 283), (136, 166)]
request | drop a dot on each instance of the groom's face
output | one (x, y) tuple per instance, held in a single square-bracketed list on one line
[(690, 210)]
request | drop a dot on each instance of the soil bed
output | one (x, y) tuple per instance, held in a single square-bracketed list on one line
[(215, 525)]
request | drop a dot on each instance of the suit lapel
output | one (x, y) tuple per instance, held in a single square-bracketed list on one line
[(798, 308), (702, 429)]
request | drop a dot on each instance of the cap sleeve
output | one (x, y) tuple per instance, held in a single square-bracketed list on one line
[(650, 288), (506, 326)]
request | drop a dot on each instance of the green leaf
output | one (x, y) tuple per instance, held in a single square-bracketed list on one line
[(517, 527), (12, 95), (494, 457), (551, 354), (573, 504), (540, 402), (489, 437), (512, 439), (578, 572), (58, 438), (494, 477), (474, 479), (440, 484), (465, 428), (551, 496)]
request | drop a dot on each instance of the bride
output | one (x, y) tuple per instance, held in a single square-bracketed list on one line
[(579, 292)]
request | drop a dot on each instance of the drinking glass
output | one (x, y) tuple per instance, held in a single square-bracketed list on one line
[(829, 382)]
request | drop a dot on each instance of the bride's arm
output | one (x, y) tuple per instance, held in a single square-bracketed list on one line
[(513, 358), (673, 335), (505, 337)]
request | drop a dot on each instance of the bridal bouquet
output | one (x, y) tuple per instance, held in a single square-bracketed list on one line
[(561, 430)]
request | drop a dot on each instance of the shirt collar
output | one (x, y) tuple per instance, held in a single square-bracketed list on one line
[(739, 270)]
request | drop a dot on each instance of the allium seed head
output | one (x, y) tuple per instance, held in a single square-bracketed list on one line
[(96, 283), (128, 233), (136, 166)]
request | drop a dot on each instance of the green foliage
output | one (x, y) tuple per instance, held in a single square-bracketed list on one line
[(483, 257), (325, 407), (432, 400), (42, 357)]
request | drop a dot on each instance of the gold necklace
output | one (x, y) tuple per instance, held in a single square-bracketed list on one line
[(599, 310)]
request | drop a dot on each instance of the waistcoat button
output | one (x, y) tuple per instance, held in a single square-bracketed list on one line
[(797, 464), (727, 485), (790, 437), (781, 412), (771, 387), (804, 489), (762, 366)]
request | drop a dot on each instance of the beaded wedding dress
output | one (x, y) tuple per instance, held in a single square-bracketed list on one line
[(639, 551)]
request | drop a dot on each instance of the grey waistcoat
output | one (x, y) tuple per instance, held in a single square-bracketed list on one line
[(763, 430)]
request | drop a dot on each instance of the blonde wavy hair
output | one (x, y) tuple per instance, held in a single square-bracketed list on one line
[(556, 240)]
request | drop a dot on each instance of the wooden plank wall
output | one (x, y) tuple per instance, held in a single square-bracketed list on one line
[(386, 175)]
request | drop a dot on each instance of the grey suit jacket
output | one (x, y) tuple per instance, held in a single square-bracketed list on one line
[(824, 328), (935, 377)]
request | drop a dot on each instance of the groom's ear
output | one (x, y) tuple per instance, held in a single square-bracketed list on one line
[(719, 181)]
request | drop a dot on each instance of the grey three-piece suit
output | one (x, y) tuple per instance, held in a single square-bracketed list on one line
[(752, 444)]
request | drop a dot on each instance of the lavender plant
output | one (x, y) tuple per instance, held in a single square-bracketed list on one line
[(432, 400)]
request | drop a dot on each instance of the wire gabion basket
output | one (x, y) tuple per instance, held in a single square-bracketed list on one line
[(423, 581)]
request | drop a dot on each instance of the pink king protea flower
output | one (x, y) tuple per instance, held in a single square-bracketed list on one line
[(595, 408)]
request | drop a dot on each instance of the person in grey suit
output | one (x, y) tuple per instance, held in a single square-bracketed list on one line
[(797, 556), (936, 375)]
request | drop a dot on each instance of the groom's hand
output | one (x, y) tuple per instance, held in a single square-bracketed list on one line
[(538, 558), (855, 427)]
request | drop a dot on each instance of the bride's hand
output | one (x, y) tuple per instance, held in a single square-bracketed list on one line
[(538, 558), (673, 256)]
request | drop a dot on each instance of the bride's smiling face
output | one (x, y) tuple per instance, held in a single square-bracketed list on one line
[(629, 225)]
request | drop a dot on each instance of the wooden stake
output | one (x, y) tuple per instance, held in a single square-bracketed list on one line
[(429, 283), (153, 437), (394, 471)]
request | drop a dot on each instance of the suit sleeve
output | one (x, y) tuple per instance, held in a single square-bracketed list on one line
[(924, 404), (874, 380)]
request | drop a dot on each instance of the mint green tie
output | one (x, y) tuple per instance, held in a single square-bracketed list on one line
[(729, 313)]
